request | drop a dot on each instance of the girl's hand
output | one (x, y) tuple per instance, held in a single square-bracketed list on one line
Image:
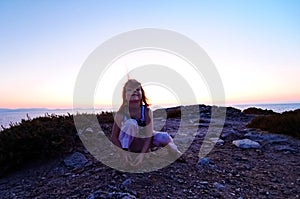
[(127, 157), (138, 160)]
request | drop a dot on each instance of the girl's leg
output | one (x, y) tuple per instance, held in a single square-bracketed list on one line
[(128, 131), (163, 139)]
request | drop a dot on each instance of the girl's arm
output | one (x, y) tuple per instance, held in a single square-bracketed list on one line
[(115, 138), (149, 129), (116, 130)]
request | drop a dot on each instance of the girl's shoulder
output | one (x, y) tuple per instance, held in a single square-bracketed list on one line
[(146, 108), (119, 116), (148, 112)]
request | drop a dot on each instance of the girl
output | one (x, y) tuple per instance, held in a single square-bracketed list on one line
[(133, 127)]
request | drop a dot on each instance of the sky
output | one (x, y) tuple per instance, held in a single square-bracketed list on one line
[(254, 45)]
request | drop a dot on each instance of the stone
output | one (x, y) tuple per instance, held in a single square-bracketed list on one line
[(205, 163), (104, 194), (219, 186), (76, 160), (246, 144), (217, 141), (126, 183), (270, 138), (204, 183), (90, 130), (229, 133), (285, 148)]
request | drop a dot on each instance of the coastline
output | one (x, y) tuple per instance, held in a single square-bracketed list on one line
[(278, 108), (8, 116)]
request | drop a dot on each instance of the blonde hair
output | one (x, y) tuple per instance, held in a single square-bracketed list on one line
[(133, 83)]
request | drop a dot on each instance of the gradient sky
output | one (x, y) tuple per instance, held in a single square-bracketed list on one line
[(255, 44)]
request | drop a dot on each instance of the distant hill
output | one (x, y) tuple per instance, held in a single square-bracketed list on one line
[(23, 109)]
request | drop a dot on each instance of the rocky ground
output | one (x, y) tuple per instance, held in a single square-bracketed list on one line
[(265, 166)]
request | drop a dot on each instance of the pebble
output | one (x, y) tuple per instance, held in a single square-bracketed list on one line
[(204, 162), (126, 183), (219, 186)]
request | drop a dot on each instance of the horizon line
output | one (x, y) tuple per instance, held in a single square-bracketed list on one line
[(105, 106)]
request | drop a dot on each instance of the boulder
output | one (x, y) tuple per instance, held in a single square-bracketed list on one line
[(76, 160)]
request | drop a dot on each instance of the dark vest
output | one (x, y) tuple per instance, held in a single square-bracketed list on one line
[(140, 121)]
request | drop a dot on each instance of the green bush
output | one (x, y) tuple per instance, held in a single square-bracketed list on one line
[(40, 138), (284, 123)]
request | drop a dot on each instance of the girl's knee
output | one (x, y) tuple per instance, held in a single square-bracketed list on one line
[(129, 124), (162, 139), (166, 138)]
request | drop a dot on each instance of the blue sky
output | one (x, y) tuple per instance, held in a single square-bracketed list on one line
[(255, 45)]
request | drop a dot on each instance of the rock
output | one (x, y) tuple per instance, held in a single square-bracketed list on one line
[(126, 183), (201, 124), (230, 133), (270, 138), (217, 141), (219, 186), (205, 163), (90, 130), (204, 183), (285, 148), (104, 194), (246, 144), (76, 160)]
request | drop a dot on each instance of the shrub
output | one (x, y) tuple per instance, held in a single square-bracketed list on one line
[(174, 112), (258, 111), (106, 117), (40, 138), (284, 123)]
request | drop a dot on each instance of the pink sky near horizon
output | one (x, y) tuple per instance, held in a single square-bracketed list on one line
[(255, 46)]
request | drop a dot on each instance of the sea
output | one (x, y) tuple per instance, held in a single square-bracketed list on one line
[(278, 108), (10, 117)]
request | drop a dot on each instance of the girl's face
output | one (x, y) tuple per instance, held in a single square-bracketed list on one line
[(133, 93)]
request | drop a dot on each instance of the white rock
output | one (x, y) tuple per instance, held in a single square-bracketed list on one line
[(246, 144), (90, 130), (217, 141)]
